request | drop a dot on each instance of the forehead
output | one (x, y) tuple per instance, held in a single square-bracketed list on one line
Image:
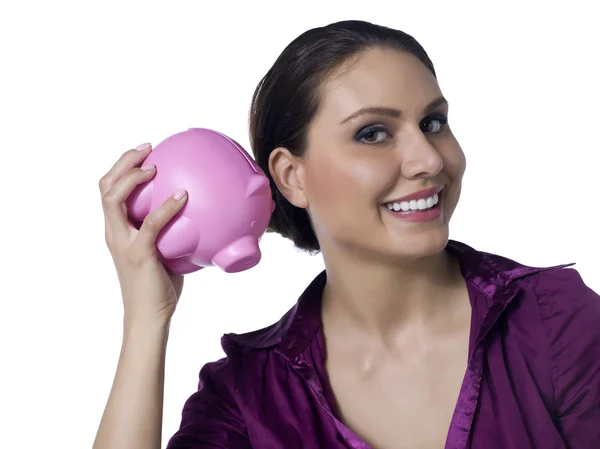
[(379, 77)]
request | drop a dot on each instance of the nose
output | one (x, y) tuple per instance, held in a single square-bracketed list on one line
[(420, 158)]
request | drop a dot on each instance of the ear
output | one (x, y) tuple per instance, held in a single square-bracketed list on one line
[(288, 173)]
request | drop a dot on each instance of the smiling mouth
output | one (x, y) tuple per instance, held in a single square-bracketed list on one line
[(415, 205)]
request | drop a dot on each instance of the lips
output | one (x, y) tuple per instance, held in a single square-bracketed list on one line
[(418, 209), (421, 194)]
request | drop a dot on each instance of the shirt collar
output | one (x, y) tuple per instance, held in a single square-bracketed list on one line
[(489, 276)]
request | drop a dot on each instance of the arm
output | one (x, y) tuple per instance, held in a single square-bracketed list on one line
[(132, 418), (133, 415), (571, 312)]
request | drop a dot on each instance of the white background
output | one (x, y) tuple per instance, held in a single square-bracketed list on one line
[(82, 82)]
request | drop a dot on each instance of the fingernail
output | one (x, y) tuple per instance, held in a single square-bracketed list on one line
[(147, 167), (179, 194), (143, 147)]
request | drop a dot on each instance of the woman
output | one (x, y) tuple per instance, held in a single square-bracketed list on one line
[(407, 340)]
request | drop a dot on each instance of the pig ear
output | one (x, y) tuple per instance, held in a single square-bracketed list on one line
[(139, 201), (178, 239), (257, 184)]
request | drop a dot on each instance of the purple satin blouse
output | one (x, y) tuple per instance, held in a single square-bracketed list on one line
[(532, 381)]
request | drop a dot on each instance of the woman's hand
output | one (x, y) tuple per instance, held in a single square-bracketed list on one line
[(149, 291)]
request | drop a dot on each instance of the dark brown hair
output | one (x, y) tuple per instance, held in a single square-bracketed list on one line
[(286, 101)]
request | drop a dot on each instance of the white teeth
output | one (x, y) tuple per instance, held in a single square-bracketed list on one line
[(414, 205)]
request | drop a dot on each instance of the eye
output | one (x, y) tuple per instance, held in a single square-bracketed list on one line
[(434, 124), (372, 135)]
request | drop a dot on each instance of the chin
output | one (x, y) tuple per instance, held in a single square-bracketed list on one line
[(401, 246), (417, 244)]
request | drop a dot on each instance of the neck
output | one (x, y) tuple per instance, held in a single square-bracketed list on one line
[(383, 299)]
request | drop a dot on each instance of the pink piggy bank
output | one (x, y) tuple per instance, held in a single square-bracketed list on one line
[(228, 208)]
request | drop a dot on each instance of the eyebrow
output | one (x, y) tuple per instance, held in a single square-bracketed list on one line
[(391, 112)]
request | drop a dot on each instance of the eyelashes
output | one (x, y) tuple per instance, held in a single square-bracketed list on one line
[(374, 134), (370, 134), (441, 119)]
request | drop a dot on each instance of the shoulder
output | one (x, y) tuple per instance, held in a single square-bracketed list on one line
[(563, 295), (555, 307), (570, 317), (240, 351), (569, 309), (240, 344), (570, 312), (556, 296)]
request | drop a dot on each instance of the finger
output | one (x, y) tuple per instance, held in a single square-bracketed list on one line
[(159, 218), (113, 202), (126, 162)]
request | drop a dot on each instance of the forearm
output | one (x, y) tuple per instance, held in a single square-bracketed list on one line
[(132, 418)]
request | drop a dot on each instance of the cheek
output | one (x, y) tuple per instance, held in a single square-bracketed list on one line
[(345, 182), (454, 160), (454, 165), (461, 163), (341, 197)]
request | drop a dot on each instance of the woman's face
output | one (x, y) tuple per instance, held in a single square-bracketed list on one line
[(382, 172)]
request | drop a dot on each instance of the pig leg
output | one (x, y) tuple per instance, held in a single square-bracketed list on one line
[(181, 266), (238, 256), (178, 238)]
